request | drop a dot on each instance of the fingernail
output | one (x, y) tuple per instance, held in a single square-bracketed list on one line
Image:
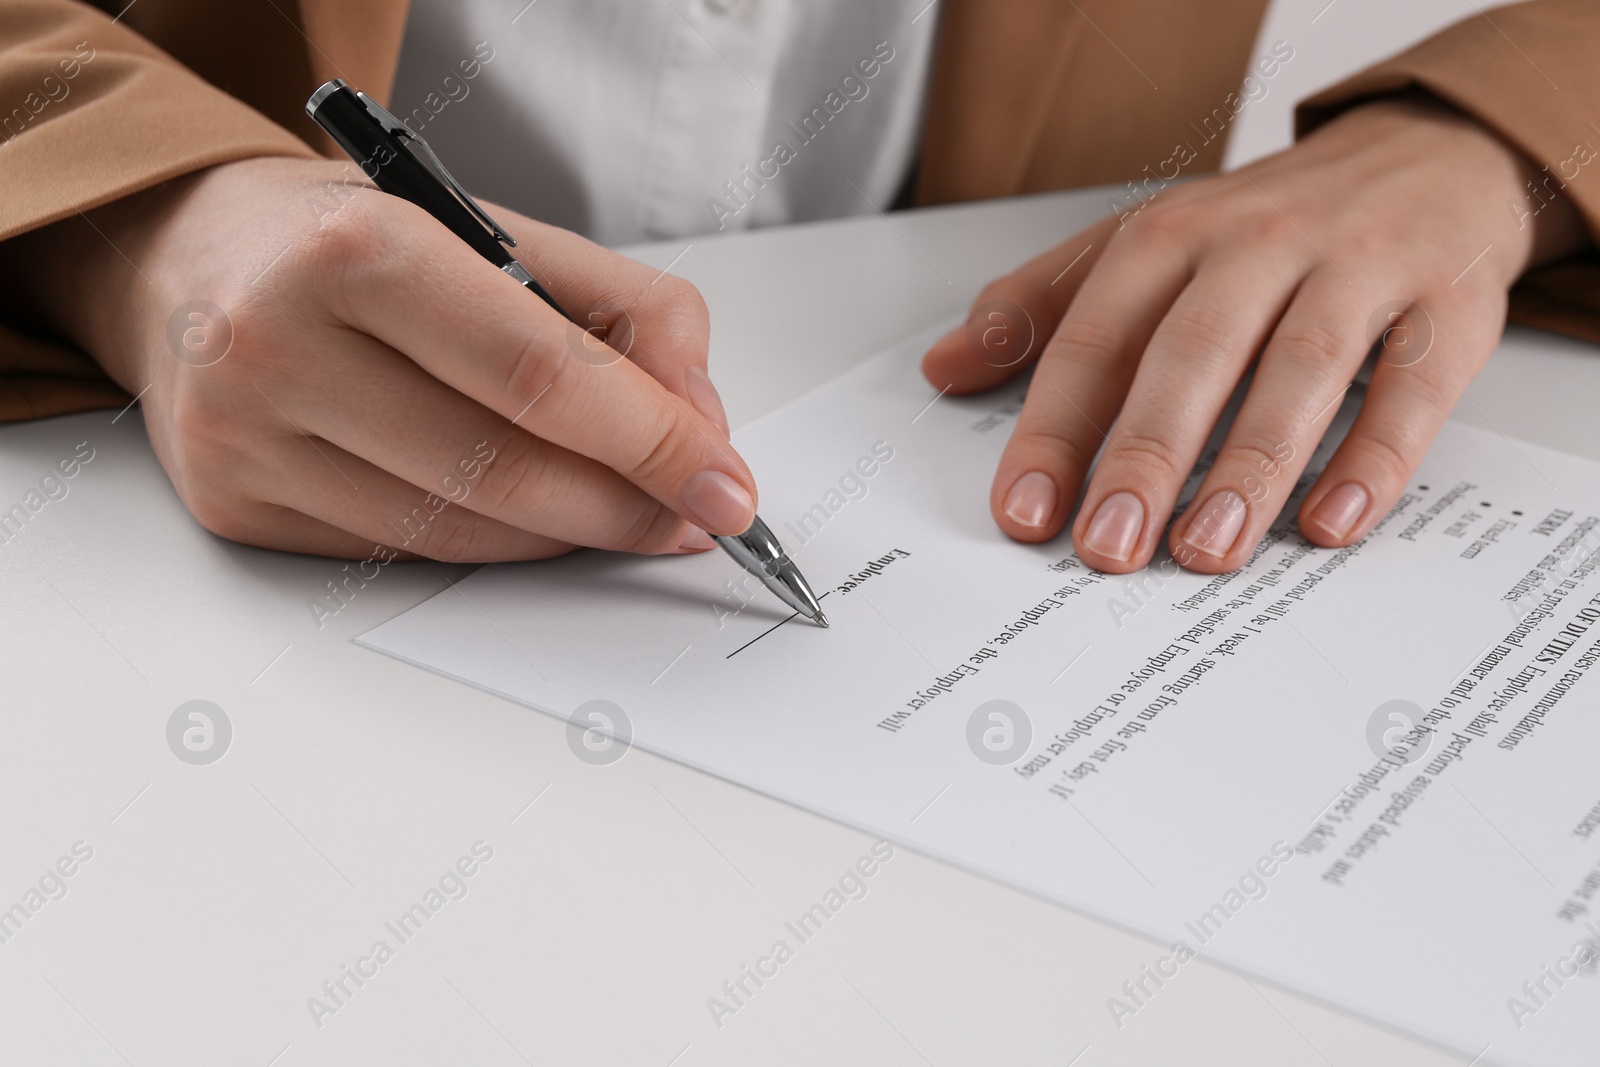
[(696, 540), (1116, 526), (1032, 498), (1215, 527), (1338, 511), (717, 502), (703, 395)]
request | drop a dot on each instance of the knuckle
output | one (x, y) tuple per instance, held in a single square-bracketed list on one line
[(1091, 342), (1145, 450), (1259, 462), (670, 449), (454, 536), (1165, 224), (1269, 227), (653, 530), (1359, 242), (1311, 344), (683, 298), (520, 480), (1204, 330), (1382, 455), (678, 321), (342, 240), (1430, 389), (1058, 444), (193, 421), (537, 367), (218, 512), (199, 441), (1165, 229)]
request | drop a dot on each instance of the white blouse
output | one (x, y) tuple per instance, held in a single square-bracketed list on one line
[(633, 120)]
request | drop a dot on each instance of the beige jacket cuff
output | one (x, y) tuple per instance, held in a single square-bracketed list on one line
[(1527, 71), (91, 112)]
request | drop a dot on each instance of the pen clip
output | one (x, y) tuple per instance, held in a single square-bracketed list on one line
[(424, 155)]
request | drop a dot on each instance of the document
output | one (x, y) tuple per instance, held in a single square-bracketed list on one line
[(1366, 774)]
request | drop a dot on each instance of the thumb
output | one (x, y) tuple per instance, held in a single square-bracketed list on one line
[(1014, 317)]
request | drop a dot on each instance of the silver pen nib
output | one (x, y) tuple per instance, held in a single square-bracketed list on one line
[(758, 551)]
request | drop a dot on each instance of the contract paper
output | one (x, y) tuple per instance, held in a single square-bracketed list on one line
[(1368, 775)]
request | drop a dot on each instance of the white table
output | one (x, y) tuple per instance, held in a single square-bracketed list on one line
[(220, 897)]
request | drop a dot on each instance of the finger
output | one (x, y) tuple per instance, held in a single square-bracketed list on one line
[(1408, 400), (400, 419), (656, 320), (326, 483), (1189, 370), (1080, 382), (1314, 351), (478, 331), (287, 530), (1013, 318)]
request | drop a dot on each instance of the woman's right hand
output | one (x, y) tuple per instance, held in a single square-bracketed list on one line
[(325, 368)]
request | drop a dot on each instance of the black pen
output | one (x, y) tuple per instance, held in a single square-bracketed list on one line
[(402, 164)]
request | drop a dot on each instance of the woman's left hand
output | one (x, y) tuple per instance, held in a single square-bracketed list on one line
[(1401, 214)]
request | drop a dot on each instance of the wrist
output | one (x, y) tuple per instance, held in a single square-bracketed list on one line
[(107, 280), (1527, 209), (1542, 205), (80, 278)]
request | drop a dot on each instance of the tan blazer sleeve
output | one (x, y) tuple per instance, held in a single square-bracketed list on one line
[(91, 112), (1530, 72)]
